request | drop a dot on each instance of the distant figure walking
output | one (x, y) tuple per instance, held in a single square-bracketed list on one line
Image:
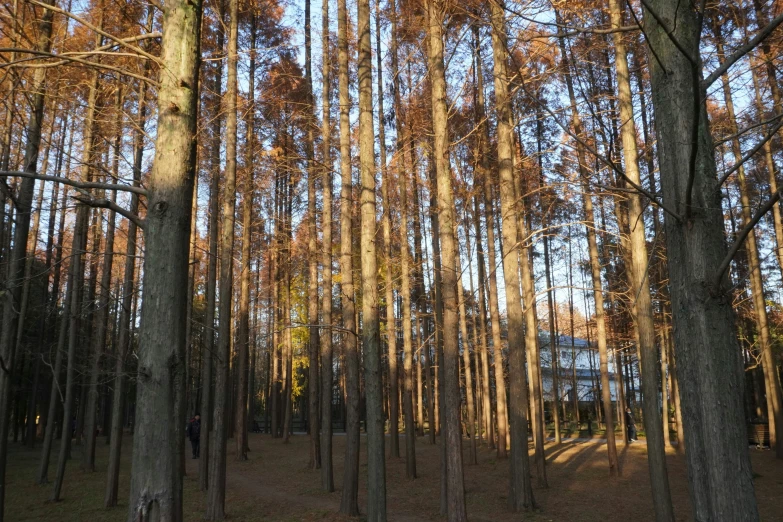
[(631, 425), (194, 434)]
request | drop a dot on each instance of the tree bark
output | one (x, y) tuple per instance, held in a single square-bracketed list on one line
[(156, 481), (641, 300), (216, 499), (452, 439), (349, 504), (704, 322), (211, 282), (521, 492), (312, 257), (327, 369), (371, 342)]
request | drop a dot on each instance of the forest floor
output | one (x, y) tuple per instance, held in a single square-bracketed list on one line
[(275, 485)]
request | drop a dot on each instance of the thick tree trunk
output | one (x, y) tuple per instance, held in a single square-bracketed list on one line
[(16, 262), (704, 322), (349, 504), (156, 480), (216, 498), (327, 369), (521, 492), (452, 440)]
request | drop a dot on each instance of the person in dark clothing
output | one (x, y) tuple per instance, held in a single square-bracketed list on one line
[(629, 422), (194, 434)]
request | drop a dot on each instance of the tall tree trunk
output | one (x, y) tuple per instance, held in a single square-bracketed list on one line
[(55, 397), (327, 369), (716, 438), (489, 427), (391, 326), (74, 330), (207, 399), (128, 293), (452, 440), (371, 336), (102, 319), (19, 253), (521, 491), (349, 504), (240, 430), (463, 327), (640, 287), (312, 257), (595, 272), (156, 480), (405, 255), (494, 312), (216, 498)]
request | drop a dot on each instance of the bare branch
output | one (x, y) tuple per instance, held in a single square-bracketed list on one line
[(73, 183), (63, 59), (743, 234), (742, 51), (105, 203), (774, 130), (87, 24)]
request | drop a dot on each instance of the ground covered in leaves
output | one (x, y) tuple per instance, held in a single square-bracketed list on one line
[(275, 485)]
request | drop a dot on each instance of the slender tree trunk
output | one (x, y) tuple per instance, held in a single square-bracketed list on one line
[(405, 256), (371, 342), (598, 295), (74, 329), (327, 369), (463, 326), (494, 312), (521, 492), (55, 395), (489, 427), (452, 440), (156, 480), (640, 287), (102, 319), (211, 283), (18, 254), (216, 498), (312, 258), (717, 456), (240, 430), (391, 326), (349, 504), (128, 293)]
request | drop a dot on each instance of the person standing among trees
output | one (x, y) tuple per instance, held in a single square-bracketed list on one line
[(631, 425), (194, 434)]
